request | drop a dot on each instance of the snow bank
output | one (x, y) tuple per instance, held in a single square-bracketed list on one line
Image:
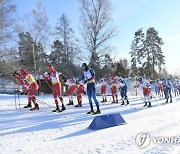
[(27, 132)]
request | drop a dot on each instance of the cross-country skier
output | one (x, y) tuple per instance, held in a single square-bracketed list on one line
[(175, 88), (89, 78), (103, 83), (123, 90), (53, 76), (156, 88), (31, 87), (160, 88), (146, 92), (71, 83), (80, 91), (113, 83), (167, 90)]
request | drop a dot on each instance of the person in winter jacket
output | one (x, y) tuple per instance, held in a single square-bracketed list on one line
[(53, 76), (123, 91), (167, 86), (80, 91), (103, 83), (89, 78), (71, 83), (147, 93), (113, 83), (31, 87)]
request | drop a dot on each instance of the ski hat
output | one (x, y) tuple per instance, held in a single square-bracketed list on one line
[(85, 65), (51, 68)]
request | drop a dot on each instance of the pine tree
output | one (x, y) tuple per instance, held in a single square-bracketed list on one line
[(122, 68), (146, 53), (136, 53), (66, 46), (107, 69), (153, 52), (56, 55), (26, 51)]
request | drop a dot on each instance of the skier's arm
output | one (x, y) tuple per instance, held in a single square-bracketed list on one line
[(46, 76), (82, 78), (20, 81)]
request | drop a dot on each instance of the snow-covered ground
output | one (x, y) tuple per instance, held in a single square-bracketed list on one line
[(43, 132)]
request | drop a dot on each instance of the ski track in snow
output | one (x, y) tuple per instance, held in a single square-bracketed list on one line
[(36, 132)]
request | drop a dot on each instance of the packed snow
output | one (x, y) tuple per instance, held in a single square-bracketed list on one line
[(36, 132)]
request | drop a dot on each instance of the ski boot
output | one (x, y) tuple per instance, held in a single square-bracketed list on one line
[(63, 108), (91, 111), (28, 106), (98, 111), (166, 101), (127, 102), (35, 108), (122, 103), (145, 104), (170, 100), (149, 104), (57, 110), (70, 103), (79, 104)]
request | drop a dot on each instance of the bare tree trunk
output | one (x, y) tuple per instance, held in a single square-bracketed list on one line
[(96, 26)]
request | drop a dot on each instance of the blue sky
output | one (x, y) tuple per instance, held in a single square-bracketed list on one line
[(128, 16)]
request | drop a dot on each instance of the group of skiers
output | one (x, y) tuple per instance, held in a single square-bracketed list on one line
[(26, 79), (162, 87), (116, 84), (165, 87), (88, 77)]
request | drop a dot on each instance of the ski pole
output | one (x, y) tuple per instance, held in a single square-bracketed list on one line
[(48, 84), (19, 101), (155, 99), (15, 99), (17, 90), (42, 102)]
